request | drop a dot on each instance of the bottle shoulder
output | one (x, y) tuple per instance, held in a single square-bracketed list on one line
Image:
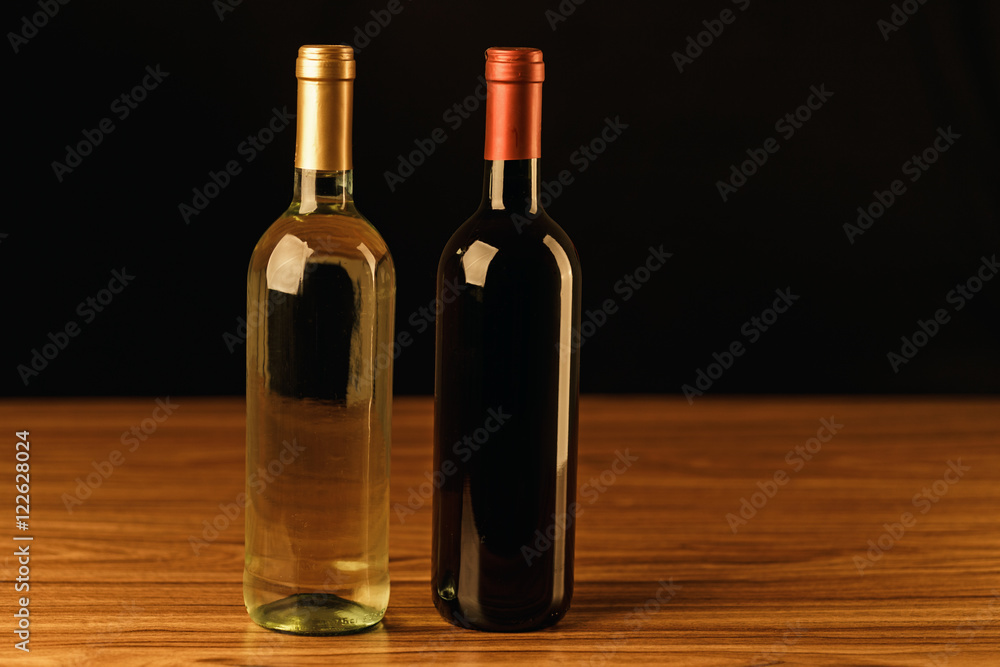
[(495, 242), (316, 236), (506, 231)]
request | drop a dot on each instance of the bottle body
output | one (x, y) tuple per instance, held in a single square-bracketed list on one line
[(320, 302), (505, 427)]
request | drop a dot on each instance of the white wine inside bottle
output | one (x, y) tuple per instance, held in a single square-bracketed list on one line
[(320, 301)]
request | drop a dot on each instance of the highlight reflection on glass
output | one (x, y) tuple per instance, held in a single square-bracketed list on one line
[(476, 262), (287, 264)]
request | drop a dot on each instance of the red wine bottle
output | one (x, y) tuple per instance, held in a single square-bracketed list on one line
[(507, 382)]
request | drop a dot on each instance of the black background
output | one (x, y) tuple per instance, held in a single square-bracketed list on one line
[(654, 185)]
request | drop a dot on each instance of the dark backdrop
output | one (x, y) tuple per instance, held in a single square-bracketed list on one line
[(887, 91)]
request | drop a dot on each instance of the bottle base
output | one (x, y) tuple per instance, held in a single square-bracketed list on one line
[(496, 623), (316, 614)]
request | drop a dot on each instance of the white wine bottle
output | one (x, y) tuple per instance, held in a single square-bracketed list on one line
[(321, 292)]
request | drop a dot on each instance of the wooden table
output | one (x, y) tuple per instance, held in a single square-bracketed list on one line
[(869, 536)]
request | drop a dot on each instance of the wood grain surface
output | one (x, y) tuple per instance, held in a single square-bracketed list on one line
[(126, 572)]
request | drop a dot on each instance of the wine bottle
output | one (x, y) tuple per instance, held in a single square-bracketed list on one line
[(506, 384), (320, 300)]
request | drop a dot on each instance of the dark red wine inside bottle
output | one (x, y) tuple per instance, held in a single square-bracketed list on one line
[(507, 382)]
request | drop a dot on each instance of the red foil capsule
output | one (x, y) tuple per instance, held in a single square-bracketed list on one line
[(514, 78)]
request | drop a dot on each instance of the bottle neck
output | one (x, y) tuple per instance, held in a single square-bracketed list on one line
[(322, 191), (513, 143), (512, 186), (324, 176)]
